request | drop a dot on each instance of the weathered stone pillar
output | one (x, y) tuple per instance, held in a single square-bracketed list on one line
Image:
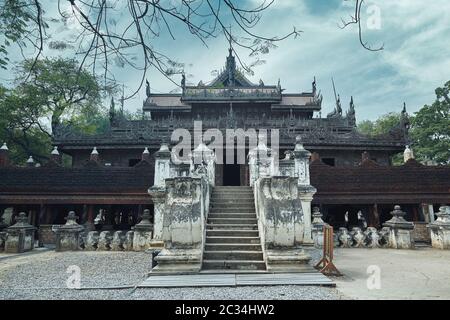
[(281, 223), (400, 233), (204, 156), (143, 233), (68, 236), (159, 198), (306, 191), (20, 236), (261, 161), (183, 226), (431, 212), (162, 166), (440, 229), (317, 227)]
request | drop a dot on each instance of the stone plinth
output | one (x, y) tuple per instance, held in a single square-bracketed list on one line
[(440, 229), (20, 236), (281, 225), (400, 230), (143, 233), (68, 236), (183, 226)]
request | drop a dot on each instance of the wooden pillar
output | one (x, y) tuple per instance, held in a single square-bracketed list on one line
[(90, 213), (14, 215), (376, 216), (48, 214), (415, 214), (42, 212)]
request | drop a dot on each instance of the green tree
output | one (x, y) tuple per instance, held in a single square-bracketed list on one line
[(380, 126), (431, 128), (56, 92)]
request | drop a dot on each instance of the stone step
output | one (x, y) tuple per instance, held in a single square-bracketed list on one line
[(238, 207), (233, 193), (234, 264), (222, 221), (231, 197), (231, 210), (232, 246), (231, 202), (221, 232), (242, 226), (233, 187), (233, 255), (232, 239), (232, 215)]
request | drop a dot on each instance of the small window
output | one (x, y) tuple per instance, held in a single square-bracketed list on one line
[(329, 161), (133, 162)]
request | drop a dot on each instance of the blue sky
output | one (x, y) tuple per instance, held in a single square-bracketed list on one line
[(416, 58)]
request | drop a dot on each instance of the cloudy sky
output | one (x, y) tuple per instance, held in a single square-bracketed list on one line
[(415, 59)]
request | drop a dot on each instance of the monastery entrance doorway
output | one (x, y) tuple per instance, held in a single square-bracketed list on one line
[(231, 175)]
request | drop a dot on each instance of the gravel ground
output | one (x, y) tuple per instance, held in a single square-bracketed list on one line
[(43, 276)]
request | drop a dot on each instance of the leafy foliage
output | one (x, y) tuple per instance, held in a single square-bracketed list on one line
[(56, 93), (431, 128)]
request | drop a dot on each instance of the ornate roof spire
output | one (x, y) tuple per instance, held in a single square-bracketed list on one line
[(112, 110), (147, 88)]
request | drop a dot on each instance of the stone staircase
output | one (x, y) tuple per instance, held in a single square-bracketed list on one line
[(232, 238)]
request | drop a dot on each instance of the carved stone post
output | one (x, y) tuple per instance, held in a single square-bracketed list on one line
[(143, 233), (20, 236), (204, 156), (440, 229), (400, 233), (306, 191), (68, 235), (317, 228), (162, 166), (159, 199), (158, 190), (261, 161)]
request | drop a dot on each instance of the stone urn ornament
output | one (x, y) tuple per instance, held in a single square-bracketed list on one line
[(104, 241), (345, 239), (372, 238), (92, 240), (359, 237)]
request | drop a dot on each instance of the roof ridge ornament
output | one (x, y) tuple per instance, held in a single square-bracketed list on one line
[(94, 151), (55, 151)]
